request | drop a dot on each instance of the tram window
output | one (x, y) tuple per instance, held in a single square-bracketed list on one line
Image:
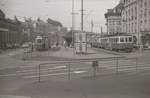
[(39, 40), (117, 39), (126, 39), (121, 39), (130, 39)]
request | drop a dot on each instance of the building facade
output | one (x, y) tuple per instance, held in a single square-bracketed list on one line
[(10, 32), (144, 21), (113, 18), (51, 29), (136, 19)]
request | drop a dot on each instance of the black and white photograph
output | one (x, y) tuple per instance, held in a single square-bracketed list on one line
[(74, 48)]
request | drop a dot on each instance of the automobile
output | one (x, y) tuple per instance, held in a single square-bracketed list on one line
[(9, 46), (146, 47), (25, 45), (16, 45)]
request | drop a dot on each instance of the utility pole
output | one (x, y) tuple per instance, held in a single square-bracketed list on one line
[(139, 27), (101, 30), (73, 25), (92, 26), (73, 15), (82, 21)]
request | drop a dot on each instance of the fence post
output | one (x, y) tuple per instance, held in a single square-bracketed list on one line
[(39, 73), (24, 54), (69, 74), (136, 64), (117, 65)]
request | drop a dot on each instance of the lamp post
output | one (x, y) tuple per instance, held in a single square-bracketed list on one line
[(82, 16), (72, 29), (139, 26)]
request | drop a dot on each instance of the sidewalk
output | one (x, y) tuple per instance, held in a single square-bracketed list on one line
[(63, 54), (91, 53)]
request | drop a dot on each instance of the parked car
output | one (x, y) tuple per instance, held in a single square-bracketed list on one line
[(146, 47), (25, 45)]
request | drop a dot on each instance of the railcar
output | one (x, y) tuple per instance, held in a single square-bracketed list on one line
[(115, 42), (41, 43)]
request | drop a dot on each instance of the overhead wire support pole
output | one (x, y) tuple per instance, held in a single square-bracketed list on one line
[(73, 26), (73, 15), (82, 21), (92, 26)]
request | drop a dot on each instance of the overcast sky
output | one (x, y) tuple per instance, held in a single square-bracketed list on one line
[(60, 10)]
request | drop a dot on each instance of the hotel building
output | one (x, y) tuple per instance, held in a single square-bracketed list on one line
[(136, 19), (113, 18)]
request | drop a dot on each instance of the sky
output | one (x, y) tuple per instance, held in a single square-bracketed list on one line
[(60, 10)]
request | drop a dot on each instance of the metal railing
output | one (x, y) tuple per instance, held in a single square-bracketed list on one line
[(98, 66)]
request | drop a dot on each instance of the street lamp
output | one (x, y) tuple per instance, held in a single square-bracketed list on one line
[(72, 29)]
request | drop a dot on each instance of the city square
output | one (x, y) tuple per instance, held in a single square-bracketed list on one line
[(75, 49)]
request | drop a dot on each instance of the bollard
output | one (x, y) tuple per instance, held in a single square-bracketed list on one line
[(39, 73), (95, 67), (69, 73), (136, 64), (117, 66)]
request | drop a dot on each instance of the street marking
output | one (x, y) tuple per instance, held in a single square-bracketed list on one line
[(78, 72), (23, 71), (36, 72), (44, 75), (44, 69), (8, 68), (56, 74), (28, 66), (6, 75), (81, 68), (47, 70), (57, 67)]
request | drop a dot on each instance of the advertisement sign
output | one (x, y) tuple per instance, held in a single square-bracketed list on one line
[(77, 37), (80, 37), (80, 42), (84, 48), (77, 47), (83, 37)]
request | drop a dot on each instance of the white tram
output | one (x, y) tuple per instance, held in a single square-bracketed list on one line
[(115, 42)]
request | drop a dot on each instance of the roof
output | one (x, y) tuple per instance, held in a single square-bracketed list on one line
[(2, 15), (116, 11)]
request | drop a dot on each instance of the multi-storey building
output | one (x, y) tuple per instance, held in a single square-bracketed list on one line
[(10, 32), (113, 18), (144, 21), (136, 19)]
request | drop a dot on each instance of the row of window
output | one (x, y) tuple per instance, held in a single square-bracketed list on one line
[(115, 23), (126, 39), (130, 28), (128, 1), (144, 3)]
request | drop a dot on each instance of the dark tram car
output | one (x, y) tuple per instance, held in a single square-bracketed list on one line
[(41, 43)]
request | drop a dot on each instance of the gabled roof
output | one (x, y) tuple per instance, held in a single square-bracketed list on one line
[(2, 15), (116, 11), (118, 8)]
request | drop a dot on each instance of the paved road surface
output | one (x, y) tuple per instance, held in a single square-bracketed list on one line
[(19, 78)]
